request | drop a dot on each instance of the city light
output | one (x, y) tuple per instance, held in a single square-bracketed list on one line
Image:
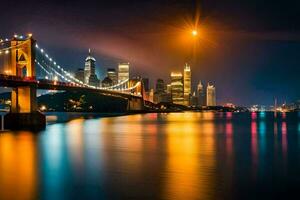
[(7, 71), (43, 108)]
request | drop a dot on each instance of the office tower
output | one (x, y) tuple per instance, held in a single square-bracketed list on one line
[(94, 81), (151, 95), (160, 86), (187, 84), (90, 76), (146, 84), (169, 88), (80, 74), (194, 100), (90, 63), (112, 75), (211, 95), (201, 95), (177, 88), (123, 72), (107, 82), (159, 91)]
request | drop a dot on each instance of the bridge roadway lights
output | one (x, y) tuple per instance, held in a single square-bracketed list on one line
[(34, 121)]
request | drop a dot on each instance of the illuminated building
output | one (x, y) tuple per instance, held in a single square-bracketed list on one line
[(80, 74), (177, 88), (201, 94), (112, 74), (194, 100), (151, 95), (187, 84), (90, 76), (211, 95), (169, 88), (123, 72), (159, 95), (160, 86), (93, 80)]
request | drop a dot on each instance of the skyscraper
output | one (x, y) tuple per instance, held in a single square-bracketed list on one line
[(211, 95), (112, 74), (159, 91), (80, 74), (201, 94), (90, 76), (107, 82), (187, 84), (160, 86), (123, 72), (177, 88), (146, 84)]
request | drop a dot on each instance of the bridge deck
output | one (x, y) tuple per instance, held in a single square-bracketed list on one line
[(13, 81)]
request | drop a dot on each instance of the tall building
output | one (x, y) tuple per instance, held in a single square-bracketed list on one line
[(112, 75), (160, 86), (107, 82), (177, 88), (123, 72), (201, 94), (194, 100), (211, 95), (90, 76), (146, 84), (80, 74), (160, 93), (187, 84), (169, 88)]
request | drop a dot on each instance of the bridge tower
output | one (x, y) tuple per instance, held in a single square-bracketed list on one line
[(135, 104), (24, 113)]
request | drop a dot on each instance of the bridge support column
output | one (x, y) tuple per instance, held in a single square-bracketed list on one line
[(135, 104), (24, 114)]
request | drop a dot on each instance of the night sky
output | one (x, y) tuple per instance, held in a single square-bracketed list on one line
[(250, 49)]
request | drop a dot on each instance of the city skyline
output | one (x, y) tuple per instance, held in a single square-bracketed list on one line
[(235, 49)]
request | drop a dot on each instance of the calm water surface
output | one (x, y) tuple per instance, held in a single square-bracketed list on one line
[(155, 156)]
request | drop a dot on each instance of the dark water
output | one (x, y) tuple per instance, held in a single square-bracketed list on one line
[(155, 156)]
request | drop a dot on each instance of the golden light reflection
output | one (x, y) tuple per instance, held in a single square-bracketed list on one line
[(127, 138), (18, 167), (191, 156), (76, 142)]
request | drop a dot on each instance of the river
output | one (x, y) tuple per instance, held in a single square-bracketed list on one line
[(155, 156)]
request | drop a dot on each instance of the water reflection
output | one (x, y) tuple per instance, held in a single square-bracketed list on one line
[(190, 158), (254, 146), (284, 139), (153, 156), (18, 166)]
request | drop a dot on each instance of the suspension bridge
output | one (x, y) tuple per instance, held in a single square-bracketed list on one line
[(25, 67)]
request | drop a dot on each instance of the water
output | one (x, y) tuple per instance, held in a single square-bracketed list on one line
[(155, 156)]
